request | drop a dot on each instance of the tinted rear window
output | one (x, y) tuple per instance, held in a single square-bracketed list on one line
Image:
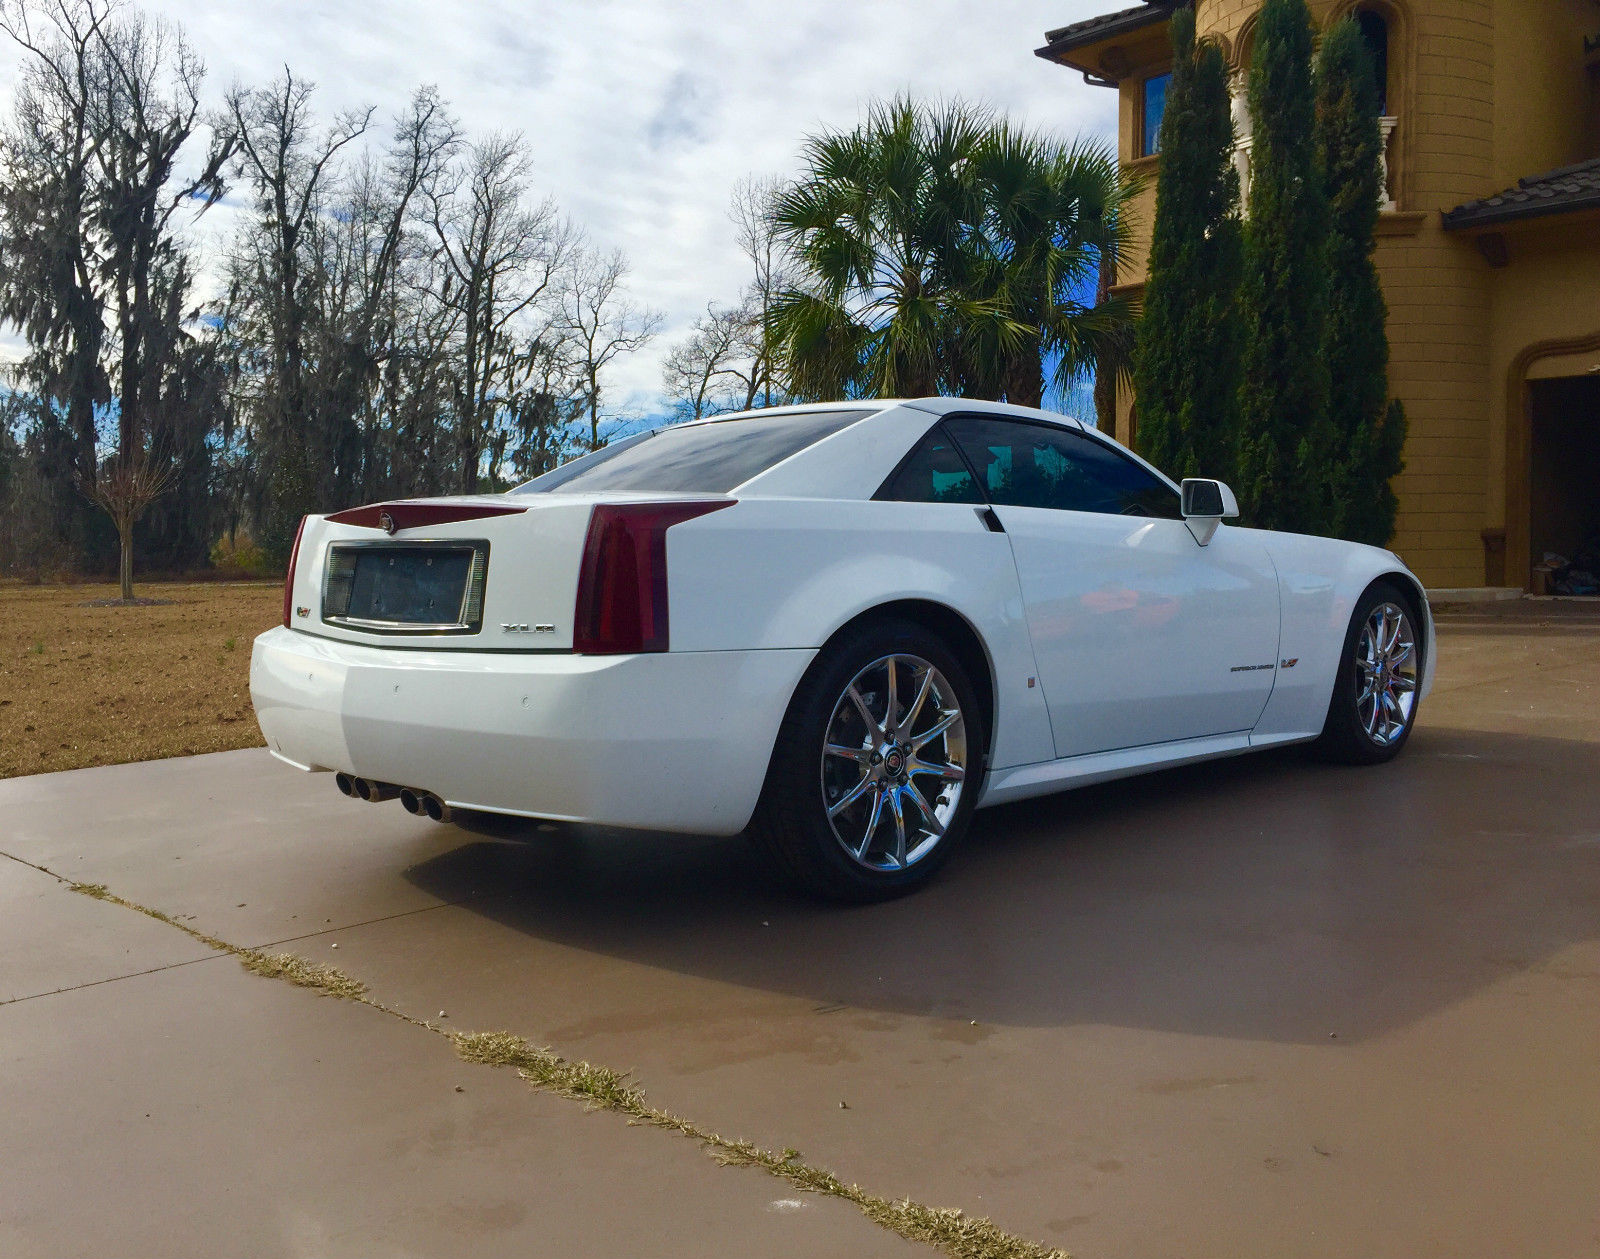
[(697, 459)]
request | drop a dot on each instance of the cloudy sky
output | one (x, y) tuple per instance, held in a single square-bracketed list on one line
[(641, 115)]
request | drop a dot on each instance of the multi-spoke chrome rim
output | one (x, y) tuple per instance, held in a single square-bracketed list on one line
[(894, 759), (1386, 674)]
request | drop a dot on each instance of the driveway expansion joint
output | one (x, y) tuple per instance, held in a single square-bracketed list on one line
[(109, 979), (601, 1088), (368, 922)]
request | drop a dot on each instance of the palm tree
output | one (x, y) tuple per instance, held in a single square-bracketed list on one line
[(878, 226), (1051, 211), (941, 249)]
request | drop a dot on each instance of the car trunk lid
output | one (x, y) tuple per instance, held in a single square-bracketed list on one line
[(471, 573)]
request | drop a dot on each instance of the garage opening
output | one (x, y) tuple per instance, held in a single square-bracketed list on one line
[(1564, 489)]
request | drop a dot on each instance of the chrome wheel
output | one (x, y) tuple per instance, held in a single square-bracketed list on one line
[(894, 762), (1386, 674)]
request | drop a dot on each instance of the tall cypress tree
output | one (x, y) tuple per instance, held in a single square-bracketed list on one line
[(1286, 451), (1186, 365), (1368, 430)]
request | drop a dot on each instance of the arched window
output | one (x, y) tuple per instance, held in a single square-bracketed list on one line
[(1375, 33), (1384, 29)]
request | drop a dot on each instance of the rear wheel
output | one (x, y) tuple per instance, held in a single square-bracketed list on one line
[(875, 771), (1375, 695)]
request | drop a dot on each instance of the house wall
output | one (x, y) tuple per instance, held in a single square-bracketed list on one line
[(1545, 115), (1546, 318), (1485, 91)]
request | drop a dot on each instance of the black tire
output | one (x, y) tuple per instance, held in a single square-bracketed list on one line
[(1345, 737), (792, 827)]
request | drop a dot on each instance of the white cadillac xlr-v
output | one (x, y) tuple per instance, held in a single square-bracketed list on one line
[(845, 627)]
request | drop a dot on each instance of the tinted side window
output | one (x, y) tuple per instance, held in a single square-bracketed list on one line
[(1034, 465), (935, 472)]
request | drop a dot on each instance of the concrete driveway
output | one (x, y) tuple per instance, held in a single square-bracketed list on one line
[(1264, 1007)]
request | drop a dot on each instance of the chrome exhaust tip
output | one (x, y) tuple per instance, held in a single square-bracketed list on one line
[(411, 801), (345, 783), (378, 792), (436, 808)]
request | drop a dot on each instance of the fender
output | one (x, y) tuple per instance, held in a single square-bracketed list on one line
[(1319, 582)]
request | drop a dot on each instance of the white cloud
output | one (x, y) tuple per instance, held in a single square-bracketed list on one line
[(641, 116)]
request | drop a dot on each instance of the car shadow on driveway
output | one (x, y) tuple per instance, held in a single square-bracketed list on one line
[(1266, 897)]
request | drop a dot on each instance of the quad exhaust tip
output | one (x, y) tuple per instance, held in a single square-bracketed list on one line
[(365, 788), (424, 804), (376, 792)]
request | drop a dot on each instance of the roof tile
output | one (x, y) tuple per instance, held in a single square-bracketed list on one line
[(1575, 187), (1065, 38)]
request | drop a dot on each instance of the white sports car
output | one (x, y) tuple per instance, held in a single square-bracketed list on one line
[(843, 626)]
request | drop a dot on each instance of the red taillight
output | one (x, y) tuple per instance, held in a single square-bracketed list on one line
[(622, 587), (288, 580)]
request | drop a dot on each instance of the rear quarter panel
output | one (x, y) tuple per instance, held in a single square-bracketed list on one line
[(777, 573)]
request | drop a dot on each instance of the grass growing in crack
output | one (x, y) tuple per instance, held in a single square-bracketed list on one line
[(949, 1229), (952, 1230), (328, 980), (583, 1081)]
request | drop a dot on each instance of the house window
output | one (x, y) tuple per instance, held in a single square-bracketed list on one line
[(1375, 34), (1153, 106)]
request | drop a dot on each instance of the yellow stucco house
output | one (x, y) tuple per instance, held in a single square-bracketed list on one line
[(1489, 250)]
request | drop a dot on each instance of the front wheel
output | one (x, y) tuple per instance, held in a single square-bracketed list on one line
[(875, 772), (1375, 695)]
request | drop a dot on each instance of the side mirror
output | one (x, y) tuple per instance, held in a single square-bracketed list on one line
[(1205, 505)]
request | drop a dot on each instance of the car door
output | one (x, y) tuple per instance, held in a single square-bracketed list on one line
[(1141, 634)]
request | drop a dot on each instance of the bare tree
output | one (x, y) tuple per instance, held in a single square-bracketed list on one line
[(381, 235), (125, 92), (726, 360), (600, 324), (754, 199), (48, 285), (533, 431), (398, 312), (126, 486), (711, 369), (498, 255), (289, 165)]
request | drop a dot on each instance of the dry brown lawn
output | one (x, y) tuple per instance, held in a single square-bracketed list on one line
[(84, 685)]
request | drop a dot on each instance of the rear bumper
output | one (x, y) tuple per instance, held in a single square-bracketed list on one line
[(676, 741)]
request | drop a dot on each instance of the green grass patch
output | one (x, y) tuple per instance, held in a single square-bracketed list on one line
[(328, 980)]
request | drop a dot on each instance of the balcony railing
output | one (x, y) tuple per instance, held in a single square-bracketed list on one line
[(1242, 132), (1386, 197)]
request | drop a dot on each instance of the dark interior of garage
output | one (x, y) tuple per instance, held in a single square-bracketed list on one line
[(1564, 490)]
